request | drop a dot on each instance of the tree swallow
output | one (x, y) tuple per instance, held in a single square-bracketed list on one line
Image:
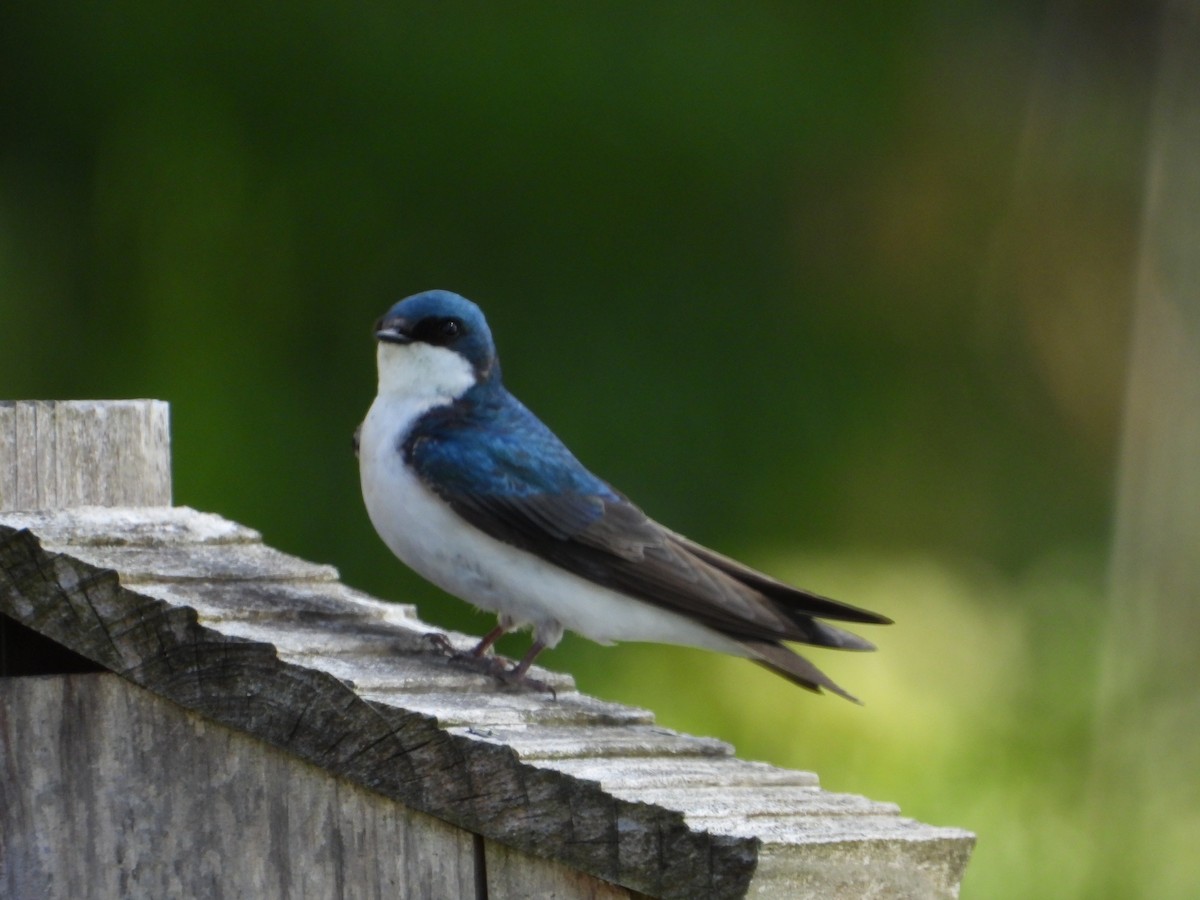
[(468, 488)]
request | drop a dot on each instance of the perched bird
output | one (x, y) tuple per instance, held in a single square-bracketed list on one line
[(474, 493)]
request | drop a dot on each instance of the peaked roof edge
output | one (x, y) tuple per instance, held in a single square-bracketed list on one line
[(200, 611)]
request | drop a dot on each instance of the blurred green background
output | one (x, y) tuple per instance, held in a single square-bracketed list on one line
[(841, 289)]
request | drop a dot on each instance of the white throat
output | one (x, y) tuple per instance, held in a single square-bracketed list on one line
[(421, 374)]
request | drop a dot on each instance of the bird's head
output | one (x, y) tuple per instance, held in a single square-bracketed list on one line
[(434, 344)]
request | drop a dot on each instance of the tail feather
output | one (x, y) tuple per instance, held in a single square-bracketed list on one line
[(838, 638), (796, 601), (794, 667)]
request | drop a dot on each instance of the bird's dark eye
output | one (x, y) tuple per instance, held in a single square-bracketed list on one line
[(438, 331)]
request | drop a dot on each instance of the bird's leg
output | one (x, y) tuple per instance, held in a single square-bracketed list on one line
[(517, 676), (518, 671), (490, 638), (442, 643), (478, 660)]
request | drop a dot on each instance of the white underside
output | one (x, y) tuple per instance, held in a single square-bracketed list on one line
[(430, 538)]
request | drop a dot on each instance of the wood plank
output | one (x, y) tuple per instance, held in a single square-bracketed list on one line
[(107, 790), (61, 453), (513, 875), (292, 657), (298, 738), (478, 784)]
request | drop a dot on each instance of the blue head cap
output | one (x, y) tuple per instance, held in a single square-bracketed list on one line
[(443, 319)]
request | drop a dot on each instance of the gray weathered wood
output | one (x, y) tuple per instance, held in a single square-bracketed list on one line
[(456, 775), (241, 646), (511, 873), (60, 453), (134, 796), (288, 654)]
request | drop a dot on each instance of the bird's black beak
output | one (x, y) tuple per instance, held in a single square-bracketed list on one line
[(393, 331)]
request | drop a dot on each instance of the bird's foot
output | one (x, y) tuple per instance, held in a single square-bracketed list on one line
[(518, 675), (509, 674), (505, 671), (470, 659), (440, 643), (512, 679)]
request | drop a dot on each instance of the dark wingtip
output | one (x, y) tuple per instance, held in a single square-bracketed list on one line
[(826, 608), (823, 634), (795, 668), (794, 599)]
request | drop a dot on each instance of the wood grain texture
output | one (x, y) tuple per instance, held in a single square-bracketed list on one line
[(276, 647), (476, 784), (512, 874), (137, 797), (63, 453)]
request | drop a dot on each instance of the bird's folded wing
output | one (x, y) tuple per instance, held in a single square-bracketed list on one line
[(535, 496)]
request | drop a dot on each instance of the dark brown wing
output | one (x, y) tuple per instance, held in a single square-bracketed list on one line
[(614, 544)]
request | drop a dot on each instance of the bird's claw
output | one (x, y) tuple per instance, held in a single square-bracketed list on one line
[(440, 643), (508, 677), (503, 670)]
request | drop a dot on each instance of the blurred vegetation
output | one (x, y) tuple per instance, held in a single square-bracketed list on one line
[(841, 289)]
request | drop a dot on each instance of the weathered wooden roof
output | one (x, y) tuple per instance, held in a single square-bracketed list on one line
[(197, 609)]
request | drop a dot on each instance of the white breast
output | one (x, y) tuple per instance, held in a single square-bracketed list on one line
[(431, 539)]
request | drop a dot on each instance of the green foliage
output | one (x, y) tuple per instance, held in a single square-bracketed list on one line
[(744, 259)]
